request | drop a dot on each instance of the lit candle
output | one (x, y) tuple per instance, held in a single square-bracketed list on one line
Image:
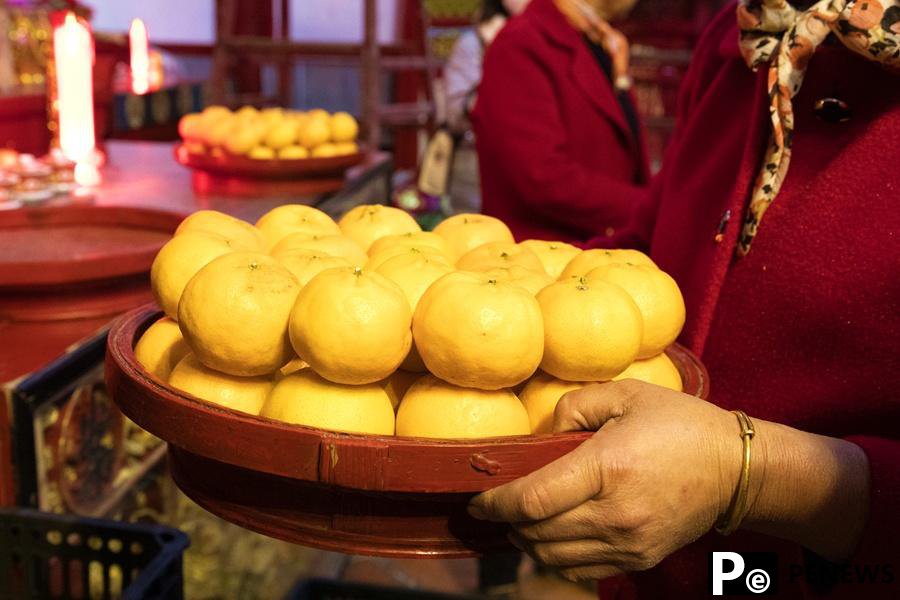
[(140, 57), (73, 50)]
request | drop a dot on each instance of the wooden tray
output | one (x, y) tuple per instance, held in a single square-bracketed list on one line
[(58, 245), (277, 169), (383, 496)]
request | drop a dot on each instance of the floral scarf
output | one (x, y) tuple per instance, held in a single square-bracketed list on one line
[(774, 32)]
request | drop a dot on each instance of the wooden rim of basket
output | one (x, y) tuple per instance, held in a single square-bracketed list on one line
[(366, 462)]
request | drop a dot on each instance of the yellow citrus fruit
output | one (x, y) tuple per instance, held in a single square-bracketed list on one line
[(475, 331), (234, 313), (397, 385), (414, 273), (589, 260), (335, 245), (215, 112), (314, 132), (295, 218), (499, 254), (293, 153), (261, 153), (343, 127), (216, 132), (659, 370), (306, 264), (436, 409), (195, 147), (540, 396), (243, 139), (468, 230), (190, 126), (160, 348), (379, 258), (533, 281), (247, 112), (246, 394), (325, 150), (242, 234), (281, 134), (273, 114), (305, 398), (179, 260), (592, 331), (368, 222), (656, 295), (553, 255), (352, 326), (345, 148), (411, 240)]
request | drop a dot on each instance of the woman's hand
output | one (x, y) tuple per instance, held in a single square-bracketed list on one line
[(657, 474), (660, 470)]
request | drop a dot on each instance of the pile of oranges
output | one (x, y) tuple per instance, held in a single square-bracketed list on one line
[(270, 133), (371, 325)]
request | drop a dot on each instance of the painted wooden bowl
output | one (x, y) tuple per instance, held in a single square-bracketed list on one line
[(358, 494), (276, 169)]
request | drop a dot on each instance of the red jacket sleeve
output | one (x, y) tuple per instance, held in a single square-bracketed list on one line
[(518, 118)]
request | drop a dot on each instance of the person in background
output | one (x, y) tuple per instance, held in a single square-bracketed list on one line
[(560, 147), (776, 212), (462, 76)]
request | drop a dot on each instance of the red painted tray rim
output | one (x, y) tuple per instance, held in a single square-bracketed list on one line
[(278, 168), (25, 274), (125, 376)]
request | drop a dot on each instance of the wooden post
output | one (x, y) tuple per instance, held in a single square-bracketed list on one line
[(370, 76)]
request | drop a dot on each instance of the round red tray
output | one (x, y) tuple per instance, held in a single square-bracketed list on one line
[(249, 168), (358, 494)]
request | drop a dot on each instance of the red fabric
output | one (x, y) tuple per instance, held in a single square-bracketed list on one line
[(804, 330), (557, 159)]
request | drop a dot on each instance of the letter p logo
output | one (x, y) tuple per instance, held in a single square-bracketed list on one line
[(719, 574)]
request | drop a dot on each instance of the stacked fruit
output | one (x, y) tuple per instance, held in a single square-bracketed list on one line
[(371, 325), (269, 133)]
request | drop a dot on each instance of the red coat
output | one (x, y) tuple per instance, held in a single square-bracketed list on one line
[(805, 330), (557, 159)]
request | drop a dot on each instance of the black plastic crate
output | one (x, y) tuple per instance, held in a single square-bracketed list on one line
[(325, 589), (44, 555)]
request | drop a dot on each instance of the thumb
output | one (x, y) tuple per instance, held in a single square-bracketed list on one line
[(590, 407)]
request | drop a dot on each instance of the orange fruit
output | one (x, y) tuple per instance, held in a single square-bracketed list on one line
[(295, 218), (469, 230), (475, 331), (659, 370), (246, 394), (414, 273), (376, 260), (553, 255), (305, 398), (413, 239), (540, 396), (656, 295), (499, 254), (160, 348), (234, 314), (589, 260), (306, 264), (368, 222), (397, 385), (333, 245), (351, 325), (436, 409), (533, 281), (592, 331), (179, 260), (243, 235)]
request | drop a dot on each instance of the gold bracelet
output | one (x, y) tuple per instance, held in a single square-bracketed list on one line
[(737, 510)]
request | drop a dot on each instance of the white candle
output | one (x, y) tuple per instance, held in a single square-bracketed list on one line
[(140, 57), (73, 50)]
